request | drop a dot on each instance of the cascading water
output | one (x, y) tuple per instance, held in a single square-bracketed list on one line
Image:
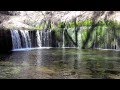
[(80, 38), (16, 42), (24, 39), (63, 39), (46, 38), (39, 36)]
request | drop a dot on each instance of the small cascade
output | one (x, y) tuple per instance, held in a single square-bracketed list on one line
[(48, 43), (30, 39), (80, 38), (39, 36), (25, 39), (16, 42), (46, 38), (63, 39), (49, 38)]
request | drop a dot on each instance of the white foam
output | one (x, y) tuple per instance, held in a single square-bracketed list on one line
[(28, 49), (108, 49)]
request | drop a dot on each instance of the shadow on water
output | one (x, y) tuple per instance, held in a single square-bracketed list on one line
[(3, 56), (60, 63)]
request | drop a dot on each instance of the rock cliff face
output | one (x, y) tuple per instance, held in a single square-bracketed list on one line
[(5, 40), (30, 19)]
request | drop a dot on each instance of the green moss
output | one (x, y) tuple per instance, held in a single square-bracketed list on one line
[(79, 23), (58, 33), (39, 28), (71, 25), (53, 27), (103, 34), (61, 25), (87, 23)]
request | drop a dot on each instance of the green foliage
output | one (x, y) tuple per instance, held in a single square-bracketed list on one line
[(39, 28), (104, 34), (53, 26), (87, 23), (102, 23), (72, 25), (80, 23), (58, 33), (61, 25), (84, 35)]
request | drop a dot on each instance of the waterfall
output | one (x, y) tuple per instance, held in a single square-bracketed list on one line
[(80, 37), (25, 38), (30, 39), (63, 39), (20, 39), (39, 36), (43, 39), (49, 38), (16, 42), (46, 38)]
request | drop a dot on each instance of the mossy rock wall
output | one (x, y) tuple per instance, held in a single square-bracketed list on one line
[(106, 34)]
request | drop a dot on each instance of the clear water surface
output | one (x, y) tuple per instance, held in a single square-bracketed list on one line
[(60, 63)]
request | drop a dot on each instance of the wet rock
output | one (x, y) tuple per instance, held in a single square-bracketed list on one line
[(5, 40), (33, 38)]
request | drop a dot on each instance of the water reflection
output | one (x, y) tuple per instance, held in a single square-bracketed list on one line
[(75, 64), (62, 63)]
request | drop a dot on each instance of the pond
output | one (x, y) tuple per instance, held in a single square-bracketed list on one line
[(60, 63)]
